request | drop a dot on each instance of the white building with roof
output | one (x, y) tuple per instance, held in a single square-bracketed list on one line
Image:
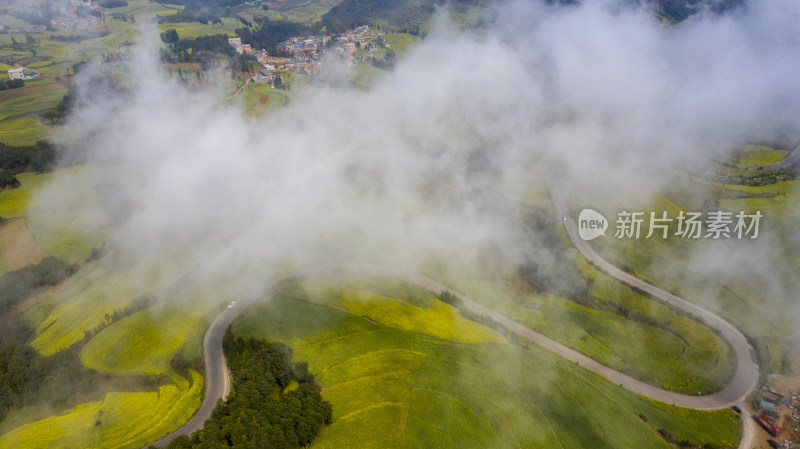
[(17, 73)]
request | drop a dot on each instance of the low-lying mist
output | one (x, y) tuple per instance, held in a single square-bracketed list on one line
[(426, 163)]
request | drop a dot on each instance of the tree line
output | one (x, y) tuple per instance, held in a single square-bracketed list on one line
[(38, 158), (200, 49), (274, 402), (203, 11), (16, 286), (11, 84)]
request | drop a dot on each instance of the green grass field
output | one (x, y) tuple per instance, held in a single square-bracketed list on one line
[(438, 319), (366, 75), (758, 155), (60, 226), (59, 232), (259, 99), (15, 202), (87, 299), (400, 42), (144, 342), (619, 329), (83, 303), (393, 387), (187, 30)]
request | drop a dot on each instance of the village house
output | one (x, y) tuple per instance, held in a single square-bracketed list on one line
[(17, 73), (261, 56)]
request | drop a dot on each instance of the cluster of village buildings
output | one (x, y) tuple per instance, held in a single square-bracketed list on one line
[(71, 20), (304, 54)]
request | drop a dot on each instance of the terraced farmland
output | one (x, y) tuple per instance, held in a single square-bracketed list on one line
[(394, 387), (121, 420)]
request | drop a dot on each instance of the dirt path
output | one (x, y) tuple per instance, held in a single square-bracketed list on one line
[(239, 90), (262, 100)]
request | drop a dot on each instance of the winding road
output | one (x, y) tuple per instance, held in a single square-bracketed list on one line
[(743, 382)]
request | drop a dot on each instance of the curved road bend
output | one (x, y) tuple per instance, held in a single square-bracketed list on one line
[(747, 372), (746, 375), (218, 383)]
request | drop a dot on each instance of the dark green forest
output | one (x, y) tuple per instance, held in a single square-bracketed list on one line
[(274, 402), (38, 158), (11, 84), (200, 49)]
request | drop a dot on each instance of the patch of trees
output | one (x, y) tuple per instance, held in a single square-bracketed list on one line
[(8, 180), (170, 36), (62, 110), (113, 3), (79, 37), (387, 63), (181, 365), (11, 84), (17, 286), (268, 34), (39, 158), (261, 411), (200, 49)]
